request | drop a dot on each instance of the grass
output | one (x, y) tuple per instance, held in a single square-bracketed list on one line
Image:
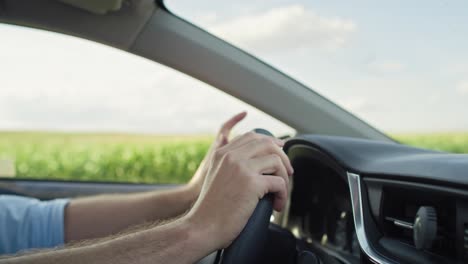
[(139, 158)]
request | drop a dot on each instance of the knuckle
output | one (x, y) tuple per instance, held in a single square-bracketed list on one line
[(250, 134), (264, 141), (282, 181), (257, 135), (277, 159), (219, 153), (230, 158), (286, 180)]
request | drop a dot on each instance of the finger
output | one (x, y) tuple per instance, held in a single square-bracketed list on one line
[(251, 136), (228, 125), (264, 146), (241, 140), (222, 137), (271, 164), (277, 186)]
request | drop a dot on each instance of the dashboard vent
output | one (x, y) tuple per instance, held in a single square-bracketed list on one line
[(423, 220)]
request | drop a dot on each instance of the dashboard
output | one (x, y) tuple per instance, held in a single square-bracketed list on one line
[(355, 201)]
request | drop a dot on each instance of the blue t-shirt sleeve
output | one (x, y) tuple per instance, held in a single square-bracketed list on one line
[(27, 223)]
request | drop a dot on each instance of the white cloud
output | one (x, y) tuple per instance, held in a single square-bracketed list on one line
[(389, 66), (462, 88), (288, 27), (460, 68)]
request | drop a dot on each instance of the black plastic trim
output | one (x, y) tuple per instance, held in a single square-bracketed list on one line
[(409, 184), (48, 189)]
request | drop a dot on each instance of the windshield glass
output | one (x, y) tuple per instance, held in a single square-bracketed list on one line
[(400, 66)]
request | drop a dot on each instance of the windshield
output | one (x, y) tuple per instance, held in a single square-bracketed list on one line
[(400, 66)]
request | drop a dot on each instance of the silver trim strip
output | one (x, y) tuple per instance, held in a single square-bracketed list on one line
[(356, 201)]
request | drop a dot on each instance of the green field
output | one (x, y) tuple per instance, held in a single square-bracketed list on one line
[(104, 157), (139, 158), (449, 142)]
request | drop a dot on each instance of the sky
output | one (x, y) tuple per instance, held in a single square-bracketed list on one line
[(402, 66)]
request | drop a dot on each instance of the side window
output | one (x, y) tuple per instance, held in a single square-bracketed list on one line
[(71, 109)]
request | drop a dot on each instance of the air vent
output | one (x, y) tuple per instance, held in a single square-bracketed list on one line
[(420, 219)]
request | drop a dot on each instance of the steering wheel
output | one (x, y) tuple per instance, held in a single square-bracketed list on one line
[(248, 246)]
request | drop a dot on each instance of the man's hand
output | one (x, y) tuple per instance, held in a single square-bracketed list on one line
[(222, 138), (235, 183)]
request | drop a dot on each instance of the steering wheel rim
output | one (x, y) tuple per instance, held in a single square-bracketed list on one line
[(250, 243)]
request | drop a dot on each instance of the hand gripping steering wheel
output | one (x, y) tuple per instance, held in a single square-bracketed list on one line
[(248, 246)]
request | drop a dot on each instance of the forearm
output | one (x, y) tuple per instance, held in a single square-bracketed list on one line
[(160, 244), (100, 216)]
